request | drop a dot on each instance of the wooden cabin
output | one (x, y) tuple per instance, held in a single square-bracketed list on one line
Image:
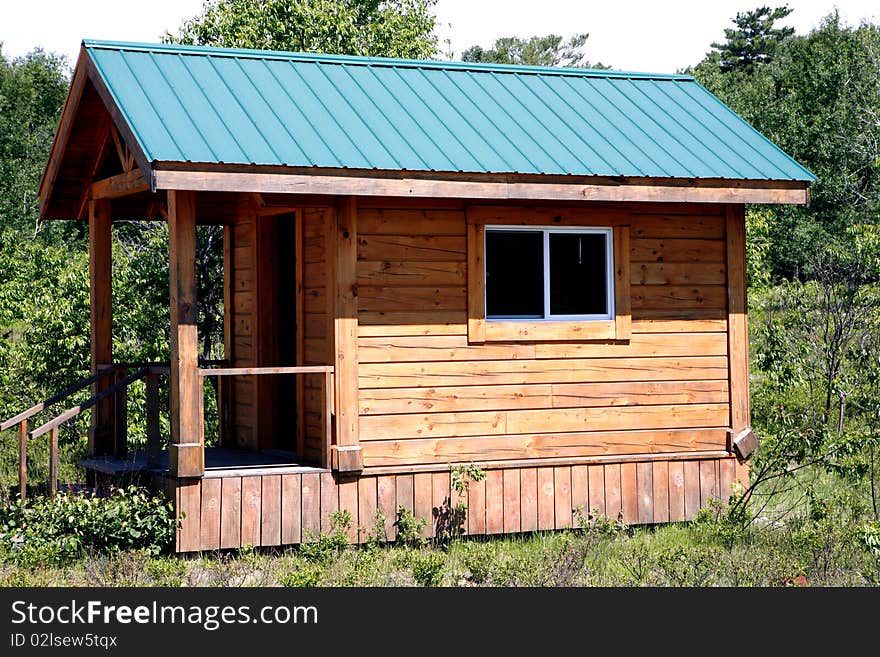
[(427, 264)]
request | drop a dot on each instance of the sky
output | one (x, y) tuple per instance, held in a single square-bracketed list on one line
[(635, 35)]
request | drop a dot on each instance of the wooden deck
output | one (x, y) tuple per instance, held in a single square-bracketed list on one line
[(219, 462)]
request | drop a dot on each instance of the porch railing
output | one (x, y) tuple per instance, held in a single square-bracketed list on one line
[(326, 393), (118, 390)]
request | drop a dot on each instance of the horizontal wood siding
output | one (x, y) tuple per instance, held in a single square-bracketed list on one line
[(428, 396), (291, 508)]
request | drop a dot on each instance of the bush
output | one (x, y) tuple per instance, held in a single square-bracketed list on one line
[(54, 530), (322, 549), (427, 567), (306, 575), (478, 558)]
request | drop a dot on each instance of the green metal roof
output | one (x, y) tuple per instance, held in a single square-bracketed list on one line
[(215, 105)]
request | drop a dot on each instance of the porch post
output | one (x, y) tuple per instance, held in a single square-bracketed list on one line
[(346, 453), (187, 448), (101, 435)]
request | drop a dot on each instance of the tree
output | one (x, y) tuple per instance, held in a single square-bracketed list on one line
[(32, 92), (754, 40), (389, 28), (818, 99), (549, 50)]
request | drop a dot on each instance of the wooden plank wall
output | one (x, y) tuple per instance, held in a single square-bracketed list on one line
[(428, 397), (243, 331), (318, 328), (285, 509)]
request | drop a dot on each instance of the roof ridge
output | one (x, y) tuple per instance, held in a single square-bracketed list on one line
[(248, 53)]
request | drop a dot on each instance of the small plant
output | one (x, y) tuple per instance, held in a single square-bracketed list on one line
[(451, 520), (427, 567), (463, 475), (595, 523), (376, 535), (409, 528), (324, 548)]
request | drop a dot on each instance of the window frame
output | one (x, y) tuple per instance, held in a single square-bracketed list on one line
[(546, 231), (480, 330)]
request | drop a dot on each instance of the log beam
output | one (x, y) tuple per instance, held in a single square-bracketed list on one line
[(187, 448), (101, 435), (346, 453), (123, 184)]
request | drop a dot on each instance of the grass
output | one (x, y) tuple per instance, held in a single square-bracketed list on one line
[(818, 544)]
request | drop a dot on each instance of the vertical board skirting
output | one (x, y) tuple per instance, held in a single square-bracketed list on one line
[(596, 487), (629, 493), (476, 520), (423, 492), (368, 503), (291, 509), (512, 513), (230, 512), (546, 506), (562, 496), (645, 483), (528, 483), (580, 496), (329, 501), (311, 506), (210, 514), (495, 502), (348, 501), (387, 496), (287, 509), (270, 510), (251, 499), (613, 492), (660, 477), (676, 491)]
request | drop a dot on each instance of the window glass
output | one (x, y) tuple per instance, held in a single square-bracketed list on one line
[(578, 271), (514, 273)]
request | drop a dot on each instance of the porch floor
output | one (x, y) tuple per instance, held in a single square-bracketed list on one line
[(219, 462)]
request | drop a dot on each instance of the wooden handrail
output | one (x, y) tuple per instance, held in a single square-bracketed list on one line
[(76, 387), (248, 371), (160, 367), (327, 411), (73, 411)]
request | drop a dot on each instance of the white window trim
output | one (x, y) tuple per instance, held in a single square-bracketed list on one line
[(547, 231)]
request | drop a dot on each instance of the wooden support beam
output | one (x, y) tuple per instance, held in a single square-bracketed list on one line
[(346, 453), (22, 460), (737, 319), (123, 184), (187, 449), (53, 461), (476, 277), (101, 438), (622, 294), (487, 186), (154, 447)]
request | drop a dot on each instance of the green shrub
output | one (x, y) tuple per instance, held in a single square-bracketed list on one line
[(427, 567), (54, 530), (478, 558), (305, 575), (324, 548), (409, 528)]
